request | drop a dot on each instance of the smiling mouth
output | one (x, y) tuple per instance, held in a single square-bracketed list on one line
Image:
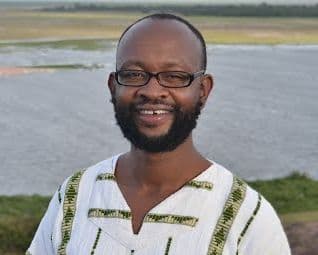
[(154, 116), (153, 112)]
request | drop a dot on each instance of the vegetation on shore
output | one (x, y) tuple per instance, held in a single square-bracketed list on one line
[(294, 193), (19, 218), (294, 197), (232, 10), (87, 30)]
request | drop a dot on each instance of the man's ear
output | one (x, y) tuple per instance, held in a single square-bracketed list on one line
[(206, 87), (111, 83)]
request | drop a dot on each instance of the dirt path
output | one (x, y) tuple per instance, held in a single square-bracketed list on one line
[(8, 71), (303, 238)]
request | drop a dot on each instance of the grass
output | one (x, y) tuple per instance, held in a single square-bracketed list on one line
[(19, 218), (309, 216), (295, 193), (75, 44), (294, 197), (67, 66), (80, 26)]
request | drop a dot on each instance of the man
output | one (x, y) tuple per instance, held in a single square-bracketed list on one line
[(162, 196)]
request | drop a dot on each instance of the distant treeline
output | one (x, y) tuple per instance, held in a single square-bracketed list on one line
[(261, 10)]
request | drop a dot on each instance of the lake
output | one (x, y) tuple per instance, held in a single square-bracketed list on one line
[(260, 122)]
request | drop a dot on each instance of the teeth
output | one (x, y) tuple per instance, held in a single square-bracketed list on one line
[(150, 112), (146, 112), (160, 112)]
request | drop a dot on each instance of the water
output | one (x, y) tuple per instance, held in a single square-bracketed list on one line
[(260, 122)]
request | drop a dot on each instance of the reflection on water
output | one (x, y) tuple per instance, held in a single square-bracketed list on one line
[(260, 122)]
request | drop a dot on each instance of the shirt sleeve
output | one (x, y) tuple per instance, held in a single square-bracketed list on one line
[(42, 243), (265, 234)]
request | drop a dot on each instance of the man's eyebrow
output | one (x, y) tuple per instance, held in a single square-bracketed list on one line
[(167, 65), (129, 63)]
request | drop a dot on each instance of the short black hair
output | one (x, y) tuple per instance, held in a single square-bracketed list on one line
[(169, 16)]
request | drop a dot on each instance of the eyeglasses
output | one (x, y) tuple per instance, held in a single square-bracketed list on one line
[(169, 79)]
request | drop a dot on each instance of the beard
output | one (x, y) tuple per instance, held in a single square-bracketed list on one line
[(183, 124)]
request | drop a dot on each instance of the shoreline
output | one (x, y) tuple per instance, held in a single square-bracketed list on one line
[(109, 25), (12, 71), (49, 41)]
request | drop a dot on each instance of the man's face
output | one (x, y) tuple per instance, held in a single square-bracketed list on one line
[(155, 118)]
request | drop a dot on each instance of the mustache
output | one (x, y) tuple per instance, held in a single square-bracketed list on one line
[(146, 101), (133, 106)]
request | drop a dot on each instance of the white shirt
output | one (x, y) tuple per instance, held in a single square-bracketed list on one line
[(215, 213)]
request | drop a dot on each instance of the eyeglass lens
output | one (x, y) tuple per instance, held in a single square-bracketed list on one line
[(139, 78)]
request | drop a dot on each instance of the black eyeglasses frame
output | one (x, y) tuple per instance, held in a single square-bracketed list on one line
[(156, 75)]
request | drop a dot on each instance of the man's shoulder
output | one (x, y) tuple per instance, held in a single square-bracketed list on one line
[(81, 182), (92, 172), (252, 198), (253, 209)]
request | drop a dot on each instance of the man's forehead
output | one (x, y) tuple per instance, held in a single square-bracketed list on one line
[(158, 35), (156, 26)]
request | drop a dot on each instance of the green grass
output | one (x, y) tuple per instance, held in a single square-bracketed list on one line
[(67, 66), (75, 44), (294, 197), (295, 193), (19, 218), (310, 216)]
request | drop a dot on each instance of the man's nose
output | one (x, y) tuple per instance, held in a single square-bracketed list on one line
[(153, 89)]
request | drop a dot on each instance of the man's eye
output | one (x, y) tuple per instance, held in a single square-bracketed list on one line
[(133, 75), (176, 76)]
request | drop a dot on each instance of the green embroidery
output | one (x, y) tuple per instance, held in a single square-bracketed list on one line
[(249, 221), (96, 241), (151, 217), (132, 252), (106, 176), (100, 213), (51, 238), (171, 219), (59, 194), (28, 253), (168, 246), (199, 184), (69, 207), (231, 208)]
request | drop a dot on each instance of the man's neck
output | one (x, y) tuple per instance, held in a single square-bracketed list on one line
[(165, 170)]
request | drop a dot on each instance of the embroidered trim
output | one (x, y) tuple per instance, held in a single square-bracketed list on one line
[(51, 238), (168, 246), (96, 241), (106, 176), (199, 184), (101, 213), (231, 208), (69, 208), (258, 205), (59, 194), (172, 219), (132, 252), (150, 217)]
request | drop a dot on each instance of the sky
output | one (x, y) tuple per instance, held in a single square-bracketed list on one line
[(189, 1)]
